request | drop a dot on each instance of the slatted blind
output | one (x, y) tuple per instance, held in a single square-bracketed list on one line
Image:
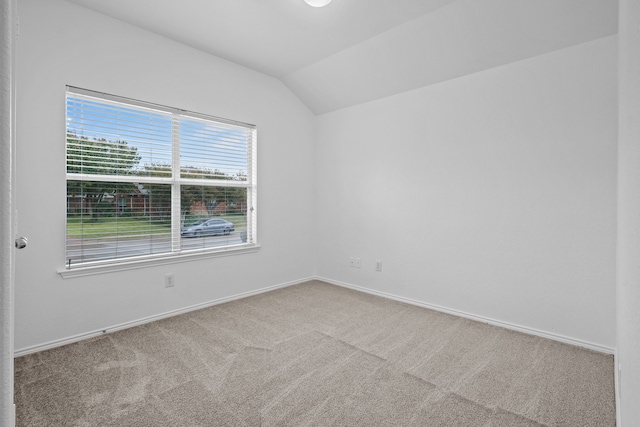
[(145, 180)]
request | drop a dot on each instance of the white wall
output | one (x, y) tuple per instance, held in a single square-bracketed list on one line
[(628, 218), (62, 44), (493, 194)]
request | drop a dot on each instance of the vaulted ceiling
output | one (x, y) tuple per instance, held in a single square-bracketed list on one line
[(354, 51)]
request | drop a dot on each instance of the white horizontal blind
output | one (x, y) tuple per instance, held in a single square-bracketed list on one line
[(145, 180), (225, 157)]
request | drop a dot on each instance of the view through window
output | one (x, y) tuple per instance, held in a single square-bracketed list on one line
[(146, 181)]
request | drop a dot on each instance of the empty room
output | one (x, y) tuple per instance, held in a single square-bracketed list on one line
[(320, 213)]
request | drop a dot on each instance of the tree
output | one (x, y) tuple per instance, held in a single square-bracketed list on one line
[(196, 199), (99, 156)]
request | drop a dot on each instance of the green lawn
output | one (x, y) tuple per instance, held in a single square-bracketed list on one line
[(130, 226), (115, 226)]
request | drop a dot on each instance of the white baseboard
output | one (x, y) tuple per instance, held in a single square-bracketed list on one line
[(617, 385), (506, 325), (108, 329)]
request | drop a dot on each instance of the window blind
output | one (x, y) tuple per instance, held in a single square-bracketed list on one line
[(145, 180)]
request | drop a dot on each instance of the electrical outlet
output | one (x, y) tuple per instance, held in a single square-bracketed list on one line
[(352, 262), (357, 262), (378, 265), (169, 281)]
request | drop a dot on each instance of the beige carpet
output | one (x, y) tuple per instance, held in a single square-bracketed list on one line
[(315, 355)]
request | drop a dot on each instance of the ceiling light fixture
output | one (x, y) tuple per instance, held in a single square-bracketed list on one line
[(317, 3)]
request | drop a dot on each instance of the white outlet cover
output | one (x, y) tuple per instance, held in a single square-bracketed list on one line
[(169, 280)]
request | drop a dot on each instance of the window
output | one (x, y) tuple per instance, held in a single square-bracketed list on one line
[(147, 181)]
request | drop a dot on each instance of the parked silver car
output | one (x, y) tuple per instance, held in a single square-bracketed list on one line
[(208, 227)]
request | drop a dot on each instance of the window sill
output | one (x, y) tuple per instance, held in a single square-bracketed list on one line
[(111, 266)]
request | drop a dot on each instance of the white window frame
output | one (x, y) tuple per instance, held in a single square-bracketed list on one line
[(175, 181)]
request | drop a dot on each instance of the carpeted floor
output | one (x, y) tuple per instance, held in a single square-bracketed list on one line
[(315, 355)]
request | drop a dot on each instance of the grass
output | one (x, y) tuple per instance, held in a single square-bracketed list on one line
[(131, 227), (115, 226)]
